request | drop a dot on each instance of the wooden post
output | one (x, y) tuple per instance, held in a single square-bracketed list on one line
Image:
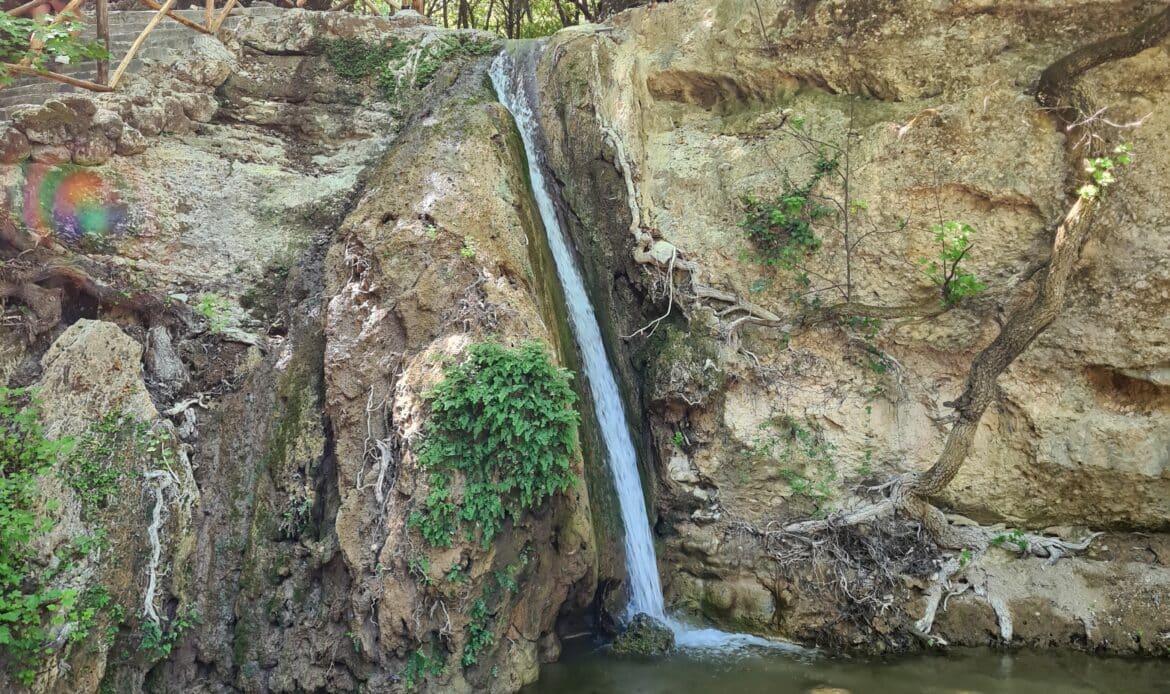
[(103, 36), (178, 18), (222, 16), (154, 21), (209, 16)]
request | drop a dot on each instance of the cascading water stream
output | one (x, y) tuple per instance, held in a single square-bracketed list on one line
[(515, 85)]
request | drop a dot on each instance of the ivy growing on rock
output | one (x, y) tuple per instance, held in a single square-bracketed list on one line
[(504, 421), (34, 613), (401, 64)]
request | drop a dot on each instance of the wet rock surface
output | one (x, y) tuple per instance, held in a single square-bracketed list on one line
[(645, 636)]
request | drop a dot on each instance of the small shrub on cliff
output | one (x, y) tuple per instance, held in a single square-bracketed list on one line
[(945, 270), (60, 43), (781, 228), (503, 420)]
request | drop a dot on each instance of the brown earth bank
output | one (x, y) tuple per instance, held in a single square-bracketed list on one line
[(293, 245)]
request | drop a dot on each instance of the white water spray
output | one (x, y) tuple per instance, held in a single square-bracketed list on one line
[(515, 86)]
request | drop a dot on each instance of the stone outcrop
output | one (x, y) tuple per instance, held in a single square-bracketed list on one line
[(661, 122), (310, 246)]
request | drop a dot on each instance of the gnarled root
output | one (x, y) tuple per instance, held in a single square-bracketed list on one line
[(41, 280)]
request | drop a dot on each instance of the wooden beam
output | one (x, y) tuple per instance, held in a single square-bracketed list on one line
[(23, 9), (222, 16), (103, 36), (178, 18), (134, 47), (209, 15), (84, 84)]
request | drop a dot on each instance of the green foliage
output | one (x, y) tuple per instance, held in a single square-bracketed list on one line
[(678, 439), (1015, 537), (1100, 169), (400, 64), (355, 59), (504, 420), (419, 666), (479, 633), (420, 568), (60, 45), (945, 270), (964, 558), (158, 640), (781, 228), (31, 610), (94, 469), (297, 518), (456, 575), (804, 456), (216, 310), (468, 250)]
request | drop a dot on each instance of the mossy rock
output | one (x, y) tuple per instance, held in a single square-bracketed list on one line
[(645, 636), (681, 364)]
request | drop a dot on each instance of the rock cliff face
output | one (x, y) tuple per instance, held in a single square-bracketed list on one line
[(278, 277), (661, 123), (235, 282)]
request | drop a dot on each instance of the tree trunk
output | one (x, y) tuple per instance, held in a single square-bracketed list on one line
[(1072, 110)]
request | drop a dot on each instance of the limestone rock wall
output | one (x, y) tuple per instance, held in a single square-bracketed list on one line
[(274, 257), (676, 112)]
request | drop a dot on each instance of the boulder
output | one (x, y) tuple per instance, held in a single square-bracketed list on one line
[(93, 150), (14, 145), (645, 636)]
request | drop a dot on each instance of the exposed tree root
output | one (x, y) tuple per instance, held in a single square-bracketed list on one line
[(41, 280), (162, 482)]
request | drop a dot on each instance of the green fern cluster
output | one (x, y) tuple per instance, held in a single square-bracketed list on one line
[(503, 420)]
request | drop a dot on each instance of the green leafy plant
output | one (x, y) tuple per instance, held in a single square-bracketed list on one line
[(419, 666), (504, 420), (158, 639), (420, 568), (678, 439), (1015, 538), (1100, 169), (216, 310), (804, 457), (31, 610), (781, 228), (297, 518), (479, 633), (60, 44), (468, 250), (95, 467), (945, 269)]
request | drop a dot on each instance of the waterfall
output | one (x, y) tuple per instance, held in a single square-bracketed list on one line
[(515, 85), (645, 588)]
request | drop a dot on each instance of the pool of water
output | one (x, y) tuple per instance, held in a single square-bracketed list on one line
[(594, 671)]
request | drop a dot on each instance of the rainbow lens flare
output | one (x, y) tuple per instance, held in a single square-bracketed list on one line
[(72, 204)]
